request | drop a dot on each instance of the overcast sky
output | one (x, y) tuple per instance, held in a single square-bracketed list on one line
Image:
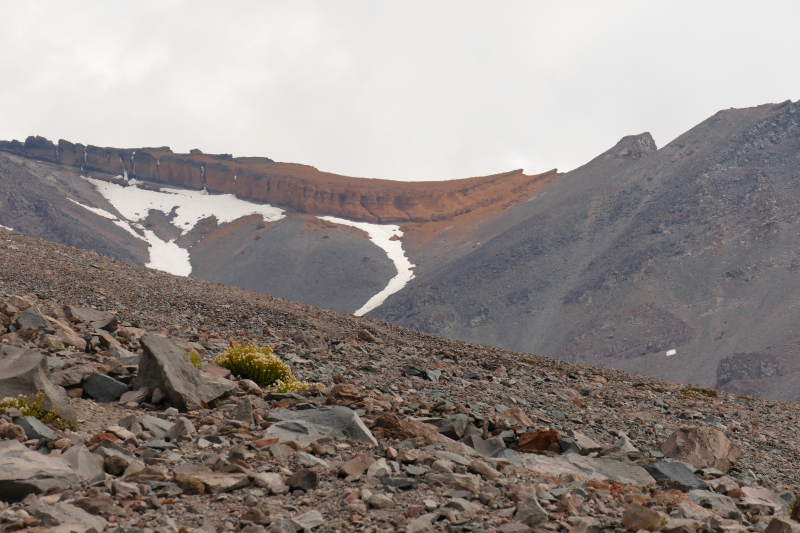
[(426, 90)]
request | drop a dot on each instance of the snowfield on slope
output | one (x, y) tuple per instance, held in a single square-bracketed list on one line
[(190, 207), (382, 236)]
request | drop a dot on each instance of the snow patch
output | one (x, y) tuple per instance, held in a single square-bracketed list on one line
[(134, 204), (382, 236), (671, 352), (6, 228)]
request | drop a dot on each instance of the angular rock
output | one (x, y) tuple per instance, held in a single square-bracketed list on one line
[(782, 524), (164, 366), (104, 389), (531, 513), (63, 513), (675, 472), (244, 413), (455, 481), (118, 352), (304, 479), (584, 443), (356, 466), (107, 324), (701, 447), (588, 467), (308, 521), (586, 525), (538, 440), (24, 472), (33, 318), (69, 377), (138, 396), (182, 429), (299, 431), (336, 421), (515, 417), (84, 463), (379, 468), (395, 428), (639, 517), (486, 447), (380, 501), (273, 482), (156, 426), (724, 505), (24, 372), (34, 429), (460, 504), (213, 482), (84, 314), (453, 427)]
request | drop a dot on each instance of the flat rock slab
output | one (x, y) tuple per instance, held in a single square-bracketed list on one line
[(64, 513), (336, 421), (676, 472), (589, 468), (24, 472)]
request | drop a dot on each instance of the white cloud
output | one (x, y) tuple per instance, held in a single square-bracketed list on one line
[(410, 90)]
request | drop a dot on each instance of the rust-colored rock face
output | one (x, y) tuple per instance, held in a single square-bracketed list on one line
[(301, 187)]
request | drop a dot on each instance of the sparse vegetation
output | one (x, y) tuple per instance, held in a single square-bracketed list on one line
[(196, 360), (695, 391), (34, 406), (260, 365)]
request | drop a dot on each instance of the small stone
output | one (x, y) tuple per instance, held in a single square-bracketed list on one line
[(115, 465), (379, 468), (460, 504), (380, 501), (531, 513), (304, 479), (638, 517)]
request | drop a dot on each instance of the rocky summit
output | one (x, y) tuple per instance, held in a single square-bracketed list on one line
[(400, 431)]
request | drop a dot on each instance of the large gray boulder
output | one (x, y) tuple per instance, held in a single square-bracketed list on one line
[(33, 318), (24, 472), (336, 421), (24, 371), (104, 389), (164, 366)]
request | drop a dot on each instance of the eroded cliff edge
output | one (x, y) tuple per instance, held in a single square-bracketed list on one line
[(300, 187)]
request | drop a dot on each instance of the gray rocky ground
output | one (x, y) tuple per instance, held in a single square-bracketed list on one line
[(408, 432)]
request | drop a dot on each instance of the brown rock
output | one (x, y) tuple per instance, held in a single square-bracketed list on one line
[(15, 432), (515, 417), (255, 515), (639, 517), (311, 339), (356, 466), (343, 394), (395, 428), (537, 441), (701, 447), (115, 465), (215, 370), (190, 484), (100, 437)]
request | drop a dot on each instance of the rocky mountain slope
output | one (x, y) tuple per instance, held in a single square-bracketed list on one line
[(408, 432), (679, 262)]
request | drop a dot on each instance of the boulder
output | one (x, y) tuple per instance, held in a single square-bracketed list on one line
[(701, 447), (639, 517), (25, 372), (534, 441), (299, 431), (164, 366), (33, 318), (336, 421), (34, 429), (104, 389), (190, 475), (24, 472), (724, 505)]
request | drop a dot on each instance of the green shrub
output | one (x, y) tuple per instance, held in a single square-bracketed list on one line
[(34, 406), (260, 365), (196, 360)]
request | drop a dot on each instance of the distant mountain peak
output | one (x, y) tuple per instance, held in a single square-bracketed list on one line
[(634, 146)]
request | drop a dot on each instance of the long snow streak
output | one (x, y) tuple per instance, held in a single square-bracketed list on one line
[(382, 236)]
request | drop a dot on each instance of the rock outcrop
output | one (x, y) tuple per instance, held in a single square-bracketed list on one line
[(301, 187)]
